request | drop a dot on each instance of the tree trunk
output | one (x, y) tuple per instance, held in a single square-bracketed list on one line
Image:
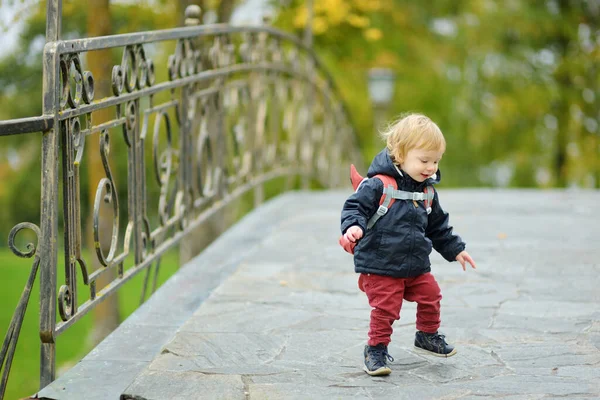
[(106, 314), (225, 11)]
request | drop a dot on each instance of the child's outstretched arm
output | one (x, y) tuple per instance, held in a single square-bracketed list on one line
[(439, 230)]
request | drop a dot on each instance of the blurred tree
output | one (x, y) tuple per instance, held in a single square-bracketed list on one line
[(225, 10), (512, 86)]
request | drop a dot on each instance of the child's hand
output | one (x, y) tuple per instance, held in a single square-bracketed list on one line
[(463, 257), (353, 233)]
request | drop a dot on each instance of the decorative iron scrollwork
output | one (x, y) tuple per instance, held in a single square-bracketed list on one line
[(131, 121), (246, 47), (206, 173), (185, 61), (274, 50), (163, 163), (107, 187), (135, 71), (65, 303), (31, 247), (77, 84)]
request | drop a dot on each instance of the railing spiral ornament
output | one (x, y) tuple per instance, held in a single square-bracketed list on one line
[(65, 303), (163, 162), (77, 84), (207, 176), (107, 193), (31, 247), (131, 121)]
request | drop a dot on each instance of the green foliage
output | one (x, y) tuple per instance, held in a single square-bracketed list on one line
[(513, 86)]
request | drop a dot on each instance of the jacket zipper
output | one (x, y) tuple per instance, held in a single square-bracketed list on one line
[(412, 245)]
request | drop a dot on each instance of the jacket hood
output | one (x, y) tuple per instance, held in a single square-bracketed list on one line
[(382, 164)]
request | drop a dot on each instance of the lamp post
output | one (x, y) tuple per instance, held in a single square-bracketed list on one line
[(381, 91)]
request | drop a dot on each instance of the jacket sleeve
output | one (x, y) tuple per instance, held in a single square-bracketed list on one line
[(360, 206), (440, 232)]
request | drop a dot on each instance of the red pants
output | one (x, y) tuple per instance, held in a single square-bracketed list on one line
[(385, 296)]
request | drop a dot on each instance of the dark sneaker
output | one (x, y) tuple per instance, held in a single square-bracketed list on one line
[(376, 360), (433, 344)]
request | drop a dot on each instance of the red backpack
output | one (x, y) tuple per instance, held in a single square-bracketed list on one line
[(389, 195)]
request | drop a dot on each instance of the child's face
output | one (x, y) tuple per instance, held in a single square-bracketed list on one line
[(420, 164)]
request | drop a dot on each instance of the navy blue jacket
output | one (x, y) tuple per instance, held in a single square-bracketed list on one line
[(400, 242)]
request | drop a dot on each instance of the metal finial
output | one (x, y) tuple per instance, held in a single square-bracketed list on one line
[(192, 15)]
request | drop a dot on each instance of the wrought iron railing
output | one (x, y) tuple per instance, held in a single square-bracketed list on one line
[(239, 106)]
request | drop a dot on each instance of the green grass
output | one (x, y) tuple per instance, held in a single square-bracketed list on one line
[(72, 345)]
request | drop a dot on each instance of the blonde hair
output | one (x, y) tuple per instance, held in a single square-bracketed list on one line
[(412, 131)]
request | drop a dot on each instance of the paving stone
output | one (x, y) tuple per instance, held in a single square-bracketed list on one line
[(189, 363), (526, 385), (246, 317), (548, 309), (540, 325), (136, 348), (211, 350), (382, 390), (94, 380), (548, 355), (153, 385)]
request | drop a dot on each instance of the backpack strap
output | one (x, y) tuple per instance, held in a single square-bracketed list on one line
[(386, 200), (391, 194), (429, 195)]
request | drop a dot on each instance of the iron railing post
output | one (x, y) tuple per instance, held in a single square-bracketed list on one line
[(189, 247), (49, 202)]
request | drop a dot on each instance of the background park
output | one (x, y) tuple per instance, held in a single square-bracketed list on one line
[(514, 86)]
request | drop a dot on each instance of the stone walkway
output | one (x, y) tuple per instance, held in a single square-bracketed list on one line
[(272, 311)]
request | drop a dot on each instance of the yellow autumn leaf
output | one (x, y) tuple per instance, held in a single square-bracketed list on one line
[(390, 60), (301, 17), (319, 25), (373, 34), (357, 21), (367, 5), (336, 11)]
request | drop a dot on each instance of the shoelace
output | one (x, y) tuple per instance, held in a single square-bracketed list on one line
[(387, 355), (384, 353), (439, 339)]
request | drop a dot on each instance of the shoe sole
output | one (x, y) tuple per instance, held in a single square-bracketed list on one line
[(378, 372), (431, 353)]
